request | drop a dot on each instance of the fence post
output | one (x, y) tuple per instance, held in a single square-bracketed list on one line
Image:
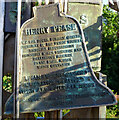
[(16, 69), (55, 115), (1, 50)]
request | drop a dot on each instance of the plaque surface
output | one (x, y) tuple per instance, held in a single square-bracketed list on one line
[(54, 69)]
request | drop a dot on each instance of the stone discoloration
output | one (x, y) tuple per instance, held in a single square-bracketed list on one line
[(92, 26)]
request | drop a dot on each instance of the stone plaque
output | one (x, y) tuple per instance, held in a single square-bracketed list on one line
[(89, 14), (54, 69)]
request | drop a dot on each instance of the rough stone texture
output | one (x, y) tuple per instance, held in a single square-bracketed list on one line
[(91, 23)]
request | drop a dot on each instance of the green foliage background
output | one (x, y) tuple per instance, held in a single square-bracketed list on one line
[(110, 48), (7, 83)]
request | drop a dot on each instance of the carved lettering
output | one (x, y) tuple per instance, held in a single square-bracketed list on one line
[(44, 30), (37, 31), (59, 65), (62, 28), (60, 47), (30, 46)]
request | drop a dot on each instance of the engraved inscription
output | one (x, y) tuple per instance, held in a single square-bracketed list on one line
[(52, 52), (53, 29)]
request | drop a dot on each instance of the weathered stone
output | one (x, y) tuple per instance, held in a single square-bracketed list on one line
[(90, 18)]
